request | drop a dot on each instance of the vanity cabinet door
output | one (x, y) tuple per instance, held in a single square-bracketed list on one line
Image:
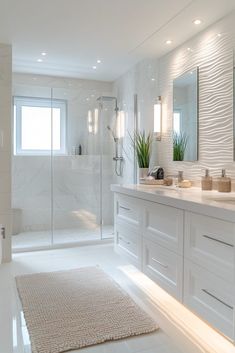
[(128, 210), (164, 225), (164, 267), (128, 243), (210, 297), (127, 227), (210, 242)]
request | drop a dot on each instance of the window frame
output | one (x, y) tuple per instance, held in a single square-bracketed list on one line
[(20, 101), (178, 111)]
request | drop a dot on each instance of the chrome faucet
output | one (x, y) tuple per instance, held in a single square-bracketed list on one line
[(180, 176)]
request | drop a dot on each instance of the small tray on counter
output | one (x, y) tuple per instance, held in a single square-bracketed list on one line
[(151, 181)]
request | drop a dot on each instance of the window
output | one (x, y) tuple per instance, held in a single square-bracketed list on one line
[(39, 126), (177, 122)]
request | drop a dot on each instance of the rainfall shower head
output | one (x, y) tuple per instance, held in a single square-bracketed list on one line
[(109, 98)]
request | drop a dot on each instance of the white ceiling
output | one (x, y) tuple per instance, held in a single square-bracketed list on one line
[(75, 33)]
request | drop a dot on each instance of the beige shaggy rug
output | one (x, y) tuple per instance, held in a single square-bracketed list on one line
[(71, 309)]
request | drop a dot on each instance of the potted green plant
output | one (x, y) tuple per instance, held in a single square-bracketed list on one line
[(179, 146), (142, 144)]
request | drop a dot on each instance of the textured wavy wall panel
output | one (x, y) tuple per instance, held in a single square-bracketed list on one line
[(214, 57)]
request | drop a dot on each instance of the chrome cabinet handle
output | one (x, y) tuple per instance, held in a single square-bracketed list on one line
[(124, 208), (127, 242), (219, 300), (218, 241), (160, 263)]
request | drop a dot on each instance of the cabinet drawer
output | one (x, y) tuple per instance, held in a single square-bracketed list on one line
[(164, 267), (210, 297), (128, 242), (128, 209), (164, 224), (210, 243)]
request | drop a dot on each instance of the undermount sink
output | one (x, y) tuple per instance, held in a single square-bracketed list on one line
[(226, 199), (168, 188)]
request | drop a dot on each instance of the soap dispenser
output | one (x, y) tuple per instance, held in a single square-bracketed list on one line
[(206, 182), (224, 184)]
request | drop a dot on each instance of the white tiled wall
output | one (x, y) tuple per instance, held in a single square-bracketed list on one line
[(5, 146)]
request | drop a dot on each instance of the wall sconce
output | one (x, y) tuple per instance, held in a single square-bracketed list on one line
[(92, 121), (158, 119), (120, 124), (96, 114)]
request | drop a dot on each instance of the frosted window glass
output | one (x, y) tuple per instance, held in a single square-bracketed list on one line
[(36, 128)]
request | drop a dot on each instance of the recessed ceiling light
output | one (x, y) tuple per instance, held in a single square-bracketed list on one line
[(219, 35), (197, 21), (98, 61), (169, 41), (43, 53), (153, 79), (39, 60), (189, 49), (94, 67)]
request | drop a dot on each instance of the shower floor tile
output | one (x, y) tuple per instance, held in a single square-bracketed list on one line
[(61, 236)]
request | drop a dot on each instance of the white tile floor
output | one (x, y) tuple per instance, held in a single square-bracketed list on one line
[(27, 240), (13, 332)]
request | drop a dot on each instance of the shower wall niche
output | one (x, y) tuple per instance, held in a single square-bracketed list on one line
[(61, 194)]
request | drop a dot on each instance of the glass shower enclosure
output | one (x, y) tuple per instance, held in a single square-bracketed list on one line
[(62, 166)]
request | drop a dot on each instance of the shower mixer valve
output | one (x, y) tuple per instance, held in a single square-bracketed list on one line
[(118, 158)]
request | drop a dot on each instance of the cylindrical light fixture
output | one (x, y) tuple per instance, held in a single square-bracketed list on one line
[(120, 124), (90, 122), (158, 119)]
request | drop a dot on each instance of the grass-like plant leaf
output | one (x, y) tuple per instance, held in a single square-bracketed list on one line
[(142, 144), (179, 146)]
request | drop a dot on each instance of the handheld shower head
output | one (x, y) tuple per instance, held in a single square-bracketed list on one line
[(112, 133)]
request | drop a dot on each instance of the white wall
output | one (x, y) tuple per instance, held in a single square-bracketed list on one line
[(5, 146), (214, 56)]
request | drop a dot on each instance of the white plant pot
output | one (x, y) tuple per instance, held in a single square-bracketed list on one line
[(143, 173)]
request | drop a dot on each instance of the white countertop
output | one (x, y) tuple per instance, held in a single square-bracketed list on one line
[(210, 203)]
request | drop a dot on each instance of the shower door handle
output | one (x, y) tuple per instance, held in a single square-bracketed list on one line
[(3, 232)]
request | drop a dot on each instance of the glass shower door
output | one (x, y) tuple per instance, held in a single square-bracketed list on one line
[(77, 172), (31, 167), (107, 123), (61, 186)]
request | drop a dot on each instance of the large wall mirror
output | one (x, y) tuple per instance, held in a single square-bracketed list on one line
[(234, 109), (185, 116)]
